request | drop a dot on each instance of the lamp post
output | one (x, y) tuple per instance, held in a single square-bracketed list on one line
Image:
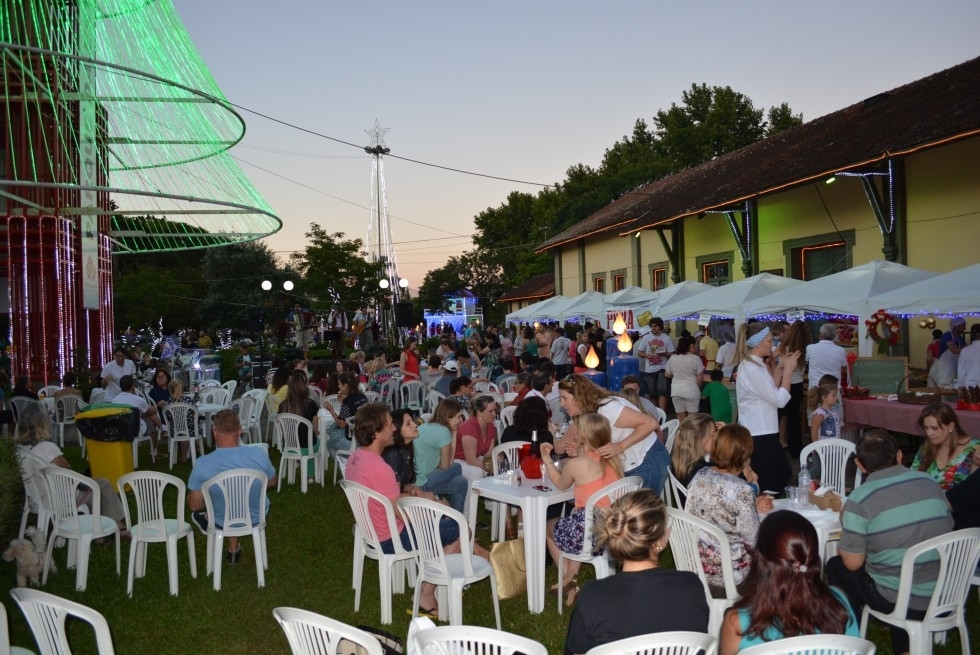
[(287, 286)]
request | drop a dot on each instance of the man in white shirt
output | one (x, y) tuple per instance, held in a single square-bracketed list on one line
[(114, 371), (148, 411), (826, 358), (654, 349), (968, 366), (560, 356), (726, 358)]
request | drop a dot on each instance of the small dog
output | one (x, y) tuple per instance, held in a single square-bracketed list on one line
[(29, 555)]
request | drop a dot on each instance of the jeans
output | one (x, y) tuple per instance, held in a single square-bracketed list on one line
[(337, 440), (449, 483), (653, 468)]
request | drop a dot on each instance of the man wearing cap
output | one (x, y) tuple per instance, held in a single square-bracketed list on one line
[(362, 328), (450, 371)]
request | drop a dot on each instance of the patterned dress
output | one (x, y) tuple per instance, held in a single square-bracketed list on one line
[(955, 472)]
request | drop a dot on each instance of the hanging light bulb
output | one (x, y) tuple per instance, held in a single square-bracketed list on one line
[(625, 345), (592, 359), (619, 325)]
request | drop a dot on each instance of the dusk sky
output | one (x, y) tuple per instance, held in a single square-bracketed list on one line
[(521, 90)]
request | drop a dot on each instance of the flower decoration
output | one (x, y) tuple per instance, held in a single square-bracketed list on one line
[(884, 330)]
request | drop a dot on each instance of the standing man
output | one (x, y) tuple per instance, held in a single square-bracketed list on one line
[(227, 455), (826, 358), (361, 326), (893, 510), (654, 349), (560, 355), (302, 321), (337, 322), (708, 348), (114, 371)]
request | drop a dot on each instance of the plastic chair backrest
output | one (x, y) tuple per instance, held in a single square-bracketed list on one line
[(412, 394), (309, 633), (63, 490), (148, 489), (678, 492), (69, 405), (472, 639), (506, 382), (834, 455), (5, 648), (670, 433), (389, 393), (486, 387), (46, 614), (423, 516), (287, 432), (182, 419), (685, 533), (17, 405), (433, 398), (216, 396), (360, 499), (661, 415), (660, 643), (236, 486), (372, 396), (243, 408), (507, 415), (97, 396), (511, 450), (32, 473), (333, 400), (316, 394), (230, 385), (813, 645), (49, 391), (613, 491)]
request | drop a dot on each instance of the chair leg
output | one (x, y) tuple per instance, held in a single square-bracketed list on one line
[(131, 572), (217, 555), (81, 565), (172, 564), (496, 598), (260, 563), (384, 577), (191, 554)]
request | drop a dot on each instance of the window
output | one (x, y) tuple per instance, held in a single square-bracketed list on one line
[(619, 279), (599, 283), (814, 257), (715, 269), (658, 276)]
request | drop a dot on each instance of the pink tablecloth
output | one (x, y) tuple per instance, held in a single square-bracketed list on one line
[(897, 417)]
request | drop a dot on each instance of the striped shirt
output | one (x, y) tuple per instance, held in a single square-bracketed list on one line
[(892, 511)]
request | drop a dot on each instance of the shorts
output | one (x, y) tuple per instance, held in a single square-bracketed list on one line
[(684, 404), (656, 383), (448, 534)]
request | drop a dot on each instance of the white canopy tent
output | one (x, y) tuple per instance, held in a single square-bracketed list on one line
[(634, 303), (729, 301), (946, 295), (678, 293), (847, 292), (530, 313), (585, 306)]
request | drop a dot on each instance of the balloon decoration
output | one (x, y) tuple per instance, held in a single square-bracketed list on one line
[(884, 330)]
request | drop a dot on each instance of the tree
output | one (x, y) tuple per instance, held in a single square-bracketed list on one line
[(335, 269), (781, 118), (145, 295), (234, 277)]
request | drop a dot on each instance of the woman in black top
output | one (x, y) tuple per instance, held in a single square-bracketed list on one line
[(401, 455), (298, 402), (530, 415)]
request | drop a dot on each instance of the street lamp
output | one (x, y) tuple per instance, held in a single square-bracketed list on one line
[(287, 286)]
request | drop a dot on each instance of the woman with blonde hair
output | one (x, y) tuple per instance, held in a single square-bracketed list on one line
[(634, 434), (642, 598), (692, 446), (589, 472), (759, 399)]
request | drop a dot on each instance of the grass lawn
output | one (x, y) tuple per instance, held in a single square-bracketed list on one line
[(310, 551)]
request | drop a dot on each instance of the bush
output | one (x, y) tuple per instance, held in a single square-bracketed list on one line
[(11, 491)]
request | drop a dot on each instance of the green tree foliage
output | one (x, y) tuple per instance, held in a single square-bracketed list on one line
[(234, 277), (335, 269), (144, 295)]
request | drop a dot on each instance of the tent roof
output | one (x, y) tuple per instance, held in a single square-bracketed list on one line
[(949, 294), (728, 301)]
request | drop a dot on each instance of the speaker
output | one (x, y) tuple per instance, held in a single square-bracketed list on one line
[(254, 315), (403, 315)]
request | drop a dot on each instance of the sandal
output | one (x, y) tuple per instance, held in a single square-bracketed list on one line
[(431, 613), (571, 594)]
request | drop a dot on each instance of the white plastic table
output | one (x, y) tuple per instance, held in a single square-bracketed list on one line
[(534, 504), (825, 521), (208, 410)]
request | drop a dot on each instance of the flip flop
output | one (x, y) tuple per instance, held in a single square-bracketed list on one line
[(432, 612)]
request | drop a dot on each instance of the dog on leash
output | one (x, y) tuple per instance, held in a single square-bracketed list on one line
[(29, 555)]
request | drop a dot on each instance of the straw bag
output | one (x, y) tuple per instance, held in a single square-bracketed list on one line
[(507, 560)]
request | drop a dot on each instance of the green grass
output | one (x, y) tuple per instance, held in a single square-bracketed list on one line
[(310, 554)]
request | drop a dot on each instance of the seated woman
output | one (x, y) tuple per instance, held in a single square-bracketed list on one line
[(461, 390), (531, 415), (785, 595), (22, 388), (589, 472), (692, 447), (400, 455), (719, 496), (435, 470), (642, 598), (35, 432), (351, 398), (68, 386), (945, 454), (279, 386), (476, 437), (298, 402), (964, 498), (378, 372)]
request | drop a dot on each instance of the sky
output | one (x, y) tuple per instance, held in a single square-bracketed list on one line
[(520, 90)]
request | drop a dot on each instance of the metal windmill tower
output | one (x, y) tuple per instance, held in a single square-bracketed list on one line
[(379, 243)]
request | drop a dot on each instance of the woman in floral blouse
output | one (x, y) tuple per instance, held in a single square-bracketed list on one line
[(945, 454)]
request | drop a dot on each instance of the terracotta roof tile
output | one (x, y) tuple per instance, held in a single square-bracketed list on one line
[(539, 286)]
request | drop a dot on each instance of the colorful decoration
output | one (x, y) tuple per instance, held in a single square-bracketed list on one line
[(884, 330)]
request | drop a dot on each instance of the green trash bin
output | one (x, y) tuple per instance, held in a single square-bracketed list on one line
[(109, 431)]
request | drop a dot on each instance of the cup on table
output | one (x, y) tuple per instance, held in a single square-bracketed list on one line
[(793, 495)]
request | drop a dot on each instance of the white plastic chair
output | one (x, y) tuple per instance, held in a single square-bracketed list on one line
[(46, 615), (661, 415), (64, 487), (183, 420), (498, 511), (958, 553), (236, 487), (833, 455), (432, 399), (287, 435), (389, 393), (506, 382), (412, 395), (600, 562), (17, 405), (97, 396), (315, 393), (35, 491), (216, 396), (814, 645), (507, 415), (67, 407), (391, 568), (372, 396), (676, 492), (670, 433), (454, 571), (685, 533), (49, 391), (486, 387), (255, 427), (333, 400), (660, 643), (309, 633), (244, 407), (152, 525), (230, 386), (472, 639), (5, 647)]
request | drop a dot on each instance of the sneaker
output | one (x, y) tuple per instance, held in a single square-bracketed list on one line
[(200, 519), (233, 557)]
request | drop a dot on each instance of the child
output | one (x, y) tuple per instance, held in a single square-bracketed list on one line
[(717, 395), (825, 423)]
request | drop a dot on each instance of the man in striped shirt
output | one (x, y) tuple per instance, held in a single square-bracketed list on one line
[(893, 510)]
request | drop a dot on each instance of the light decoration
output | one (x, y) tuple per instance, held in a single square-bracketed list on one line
[(113, 98), (624, 344), (884, 330), (591, 358), (619, 325), (867, 190)]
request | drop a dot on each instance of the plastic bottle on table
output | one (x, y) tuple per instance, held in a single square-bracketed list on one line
[(804, 486)]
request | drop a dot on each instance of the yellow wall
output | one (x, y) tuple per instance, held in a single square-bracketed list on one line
[(569, 284), (604, 254)]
